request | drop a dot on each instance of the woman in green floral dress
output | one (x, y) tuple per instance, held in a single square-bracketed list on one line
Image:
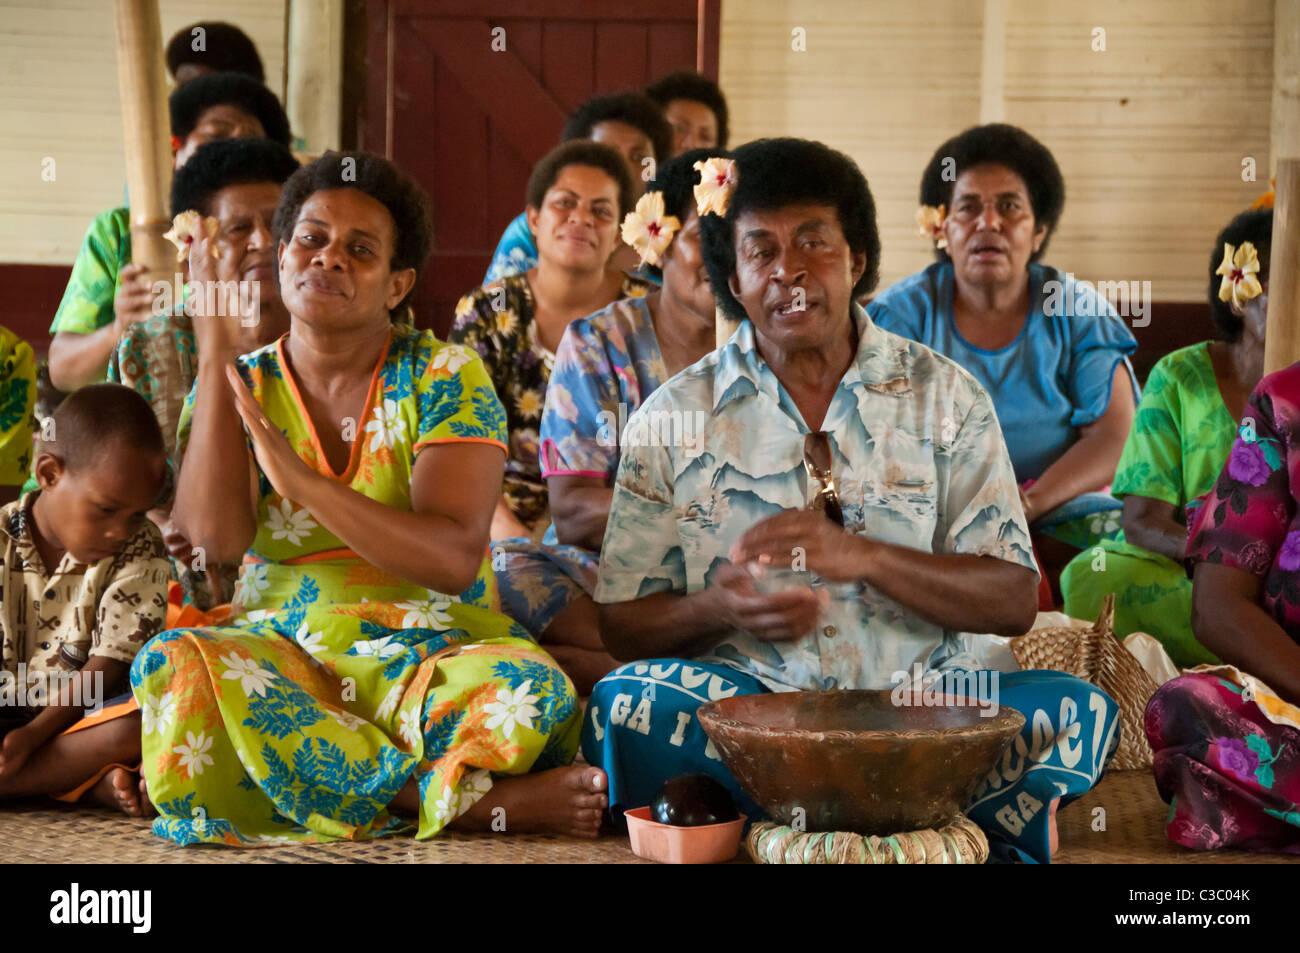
[(352, 684), (1181, 437)]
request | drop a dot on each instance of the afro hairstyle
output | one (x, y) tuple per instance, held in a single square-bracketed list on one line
[(225, 162), (774, 173), (688, 84), (188, 103), (1007, 146), (633, 109), (378, 178), (580, 152), (226, 48)]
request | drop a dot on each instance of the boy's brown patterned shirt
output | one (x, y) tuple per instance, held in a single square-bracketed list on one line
[(57, 621)]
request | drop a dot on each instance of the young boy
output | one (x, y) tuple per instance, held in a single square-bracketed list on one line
[(83, 583)]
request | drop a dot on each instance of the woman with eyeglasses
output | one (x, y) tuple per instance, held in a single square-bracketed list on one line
[(849, 511), (1049, 350)]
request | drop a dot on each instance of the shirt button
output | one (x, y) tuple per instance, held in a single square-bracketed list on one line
[(829, 631)]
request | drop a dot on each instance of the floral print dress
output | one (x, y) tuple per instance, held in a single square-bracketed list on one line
[(1227, 749), (497, 321), (1181, 437), (335, 682), (606, 365)]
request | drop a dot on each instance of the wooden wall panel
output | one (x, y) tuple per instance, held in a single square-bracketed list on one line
[(60, 99), (883, 82), (1150, 134)]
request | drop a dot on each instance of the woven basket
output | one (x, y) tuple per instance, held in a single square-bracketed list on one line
[(960, 841), (1096, 656)]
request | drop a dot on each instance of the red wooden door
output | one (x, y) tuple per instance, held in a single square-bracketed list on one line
[(469, 121)]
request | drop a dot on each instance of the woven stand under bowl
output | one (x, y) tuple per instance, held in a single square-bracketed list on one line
[(960, 841), (1096, 656)]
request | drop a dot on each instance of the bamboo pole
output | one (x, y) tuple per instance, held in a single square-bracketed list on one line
[(1285, 127), (314, 92), (993, 62), (1282, 338), (146, 130)]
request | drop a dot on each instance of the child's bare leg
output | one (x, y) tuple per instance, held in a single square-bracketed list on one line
[(568, 800), (66, 761)]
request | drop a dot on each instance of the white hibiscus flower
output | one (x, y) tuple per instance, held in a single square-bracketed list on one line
[(256, 615), (194, 754), (252, 677), (287, 523), (313, 643), (249, 768), (452, 358), (386, 427), (431, 614), (409, 727), (156, 713), (383, 647), (252, 583), (510, 710), (473, 786), (446, 807), (389, 704)]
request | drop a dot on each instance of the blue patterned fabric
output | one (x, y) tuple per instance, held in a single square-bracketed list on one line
[(918, 461)]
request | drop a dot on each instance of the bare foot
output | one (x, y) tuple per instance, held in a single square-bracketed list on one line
[(569, 801), (145, 803), (118, 790)]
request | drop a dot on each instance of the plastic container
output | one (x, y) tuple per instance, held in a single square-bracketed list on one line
[(708, 844)]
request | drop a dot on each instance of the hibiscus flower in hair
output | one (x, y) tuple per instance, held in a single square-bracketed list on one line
[(929, 224), (1239, 268), (718, 178), (648, 229)]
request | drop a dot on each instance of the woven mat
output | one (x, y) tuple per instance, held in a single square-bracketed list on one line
[(38, 832)]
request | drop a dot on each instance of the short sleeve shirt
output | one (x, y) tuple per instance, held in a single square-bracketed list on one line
[(56, 621), (917, 459), (1182, 432), (87, 303), (1054, 378), (606, 366), (497, 321)]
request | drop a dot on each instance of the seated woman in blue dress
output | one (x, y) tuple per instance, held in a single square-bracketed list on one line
[(1049, 350), (848, 512), (607, 364)]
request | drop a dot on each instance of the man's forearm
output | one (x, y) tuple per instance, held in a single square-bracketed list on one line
[(958, 592), (663, 624), (80, 359)]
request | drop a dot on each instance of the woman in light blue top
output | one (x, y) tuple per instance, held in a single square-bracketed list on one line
[(1051, 352)]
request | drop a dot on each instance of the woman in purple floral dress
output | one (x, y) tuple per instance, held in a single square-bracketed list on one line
[(1227, 738)]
